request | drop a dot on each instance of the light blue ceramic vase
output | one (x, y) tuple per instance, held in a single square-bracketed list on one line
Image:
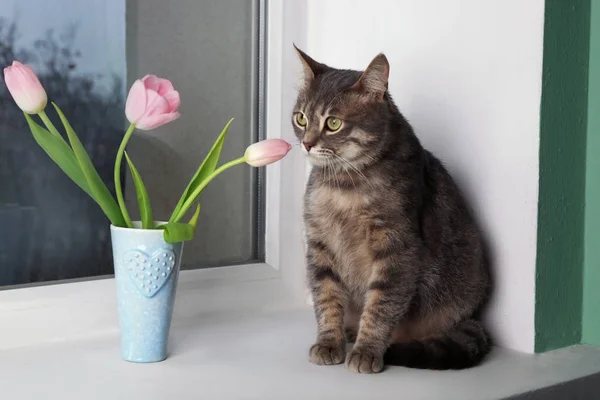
[(146, 272)]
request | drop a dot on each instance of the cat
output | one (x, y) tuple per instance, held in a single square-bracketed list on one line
[(395, 259)]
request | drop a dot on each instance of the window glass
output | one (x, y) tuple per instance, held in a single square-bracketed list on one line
[(87, 54)]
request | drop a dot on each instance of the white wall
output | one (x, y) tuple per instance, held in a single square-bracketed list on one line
[(467, 75)]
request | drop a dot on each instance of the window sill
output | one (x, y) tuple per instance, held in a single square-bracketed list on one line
[(235, 334)]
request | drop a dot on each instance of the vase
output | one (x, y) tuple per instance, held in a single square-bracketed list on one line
[(146, 273)]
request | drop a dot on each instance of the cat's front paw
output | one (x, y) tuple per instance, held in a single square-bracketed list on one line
[(364, 361), (326, 354)]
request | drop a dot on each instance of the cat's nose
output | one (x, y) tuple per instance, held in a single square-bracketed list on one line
[(308, 146)]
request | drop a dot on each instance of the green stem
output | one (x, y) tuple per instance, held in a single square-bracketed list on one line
[(118, 187), (50, 125), (192, 198)]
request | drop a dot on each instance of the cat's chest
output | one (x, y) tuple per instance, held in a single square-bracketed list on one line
[(340, 219)]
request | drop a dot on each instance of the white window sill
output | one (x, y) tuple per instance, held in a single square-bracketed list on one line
[(235, 334)]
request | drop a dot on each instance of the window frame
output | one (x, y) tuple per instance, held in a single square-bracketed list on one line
[(284, 235)]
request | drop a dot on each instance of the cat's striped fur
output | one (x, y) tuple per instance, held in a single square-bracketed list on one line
[(395, 259)]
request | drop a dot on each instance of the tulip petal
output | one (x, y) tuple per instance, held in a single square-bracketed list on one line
[(136, 102), (154, 121), (266, 152), (25, 88), (160, 85), (173, 100), (156, 104), (159, 99), (21, 76)]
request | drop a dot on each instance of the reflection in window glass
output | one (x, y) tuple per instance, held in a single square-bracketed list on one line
[(49, 229), (86, 54)]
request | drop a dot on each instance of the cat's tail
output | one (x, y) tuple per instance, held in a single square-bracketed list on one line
[(463, 346)]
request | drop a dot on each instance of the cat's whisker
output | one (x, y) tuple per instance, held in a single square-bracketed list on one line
[(343, 161), (353, 167), (330, 162), (367, 156), (328, 170), (358, 172), (350, 176), (336, 176)]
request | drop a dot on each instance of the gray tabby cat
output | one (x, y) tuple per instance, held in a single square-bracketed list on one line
[(396, 262)]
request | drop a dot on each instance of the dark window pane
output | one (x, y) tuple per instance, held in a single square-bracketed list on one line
[(49, 228)]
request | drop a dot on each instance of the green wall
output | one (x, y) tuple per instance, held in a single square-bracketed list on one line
[(563, 129), (591, 292)]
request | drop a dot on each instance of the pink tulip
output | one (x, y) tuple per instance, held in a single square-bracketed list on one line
[(266, 152), (152, 102), (25, 88)]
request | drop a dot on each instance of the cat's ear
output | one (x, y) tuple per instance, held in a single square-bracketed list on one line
[(311, 67), (375, 78)]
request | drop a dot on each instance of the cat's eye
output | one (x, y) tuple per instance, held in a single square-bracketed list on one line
[(301, 119), (333, 123)]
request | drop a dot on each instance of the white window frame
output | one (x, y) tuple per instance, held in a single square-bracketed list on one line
[(70, 310), (284, 239)]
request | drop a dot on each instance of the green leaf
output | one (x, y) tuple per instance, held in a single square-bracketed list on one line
[(98, 188), (50, 126), (142, 196), (198, 190), (176, 232), (62, 155), (194, 219), (206, 168)]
